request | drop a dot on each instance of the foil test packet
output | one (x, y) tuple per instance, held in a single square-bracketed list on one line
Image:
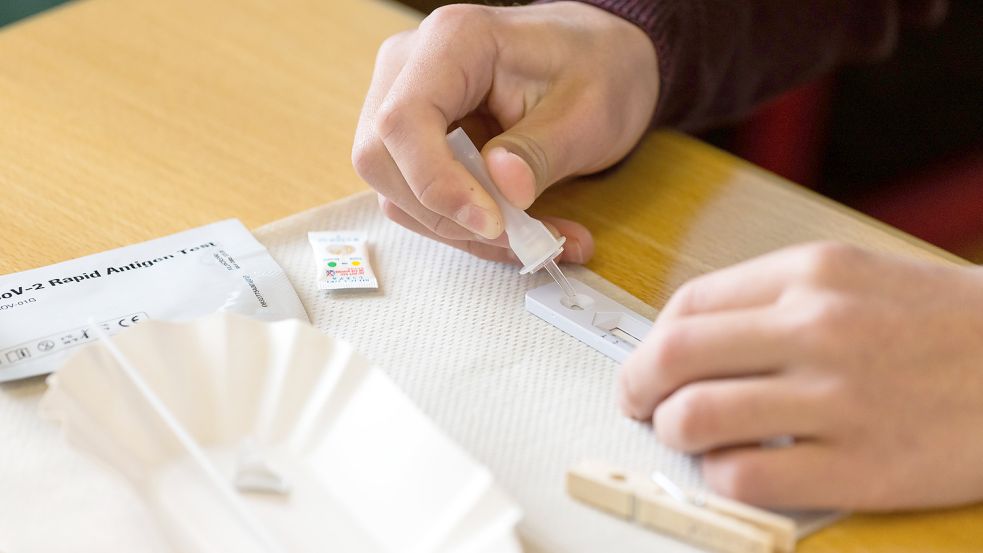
[(341, 258), (46, 312)]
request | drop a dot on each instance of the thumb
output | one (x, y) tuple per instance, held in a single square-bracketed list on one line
[(546, 145)]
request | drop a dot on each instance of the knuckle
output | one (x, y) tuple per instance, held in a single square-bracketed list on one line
[(446, 228), (393, 46), (390, 120), (367, 156), (669, 348), (432, 191), (686, 420), (735, 477), (822, 313), (686, 297), (454, 16), (633, 397), (824, 262), (820, 324)]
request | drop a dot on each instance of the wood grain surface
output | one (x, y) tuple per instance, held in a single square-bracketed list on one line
[(125, 120)]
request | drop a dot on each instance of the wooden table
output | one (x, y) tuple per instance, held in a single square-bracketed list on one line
[(129, 120)]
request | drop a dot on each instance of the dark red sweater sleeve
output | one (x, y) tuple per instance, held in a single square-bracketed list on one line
[(720, 58)]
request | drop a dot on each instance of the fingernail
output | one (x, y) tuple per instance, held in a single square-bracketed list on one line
[(478, 220), (514, 169), (483, 240), (575, 254), (499, 151)]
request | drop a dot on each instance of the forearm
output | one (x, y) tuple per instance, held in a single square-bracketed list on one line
[(720, 58)]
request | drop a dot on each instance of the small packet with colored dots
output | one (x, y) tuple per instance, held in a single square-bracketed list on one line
[(342, 260)]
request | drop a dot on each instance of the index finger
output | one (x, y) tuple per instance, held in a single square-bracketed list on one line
[(733, 344), (762, 280), (446, 77)]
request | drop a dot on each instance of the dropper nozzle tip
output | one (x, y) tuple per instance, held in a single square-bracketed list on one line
[(561, 280)]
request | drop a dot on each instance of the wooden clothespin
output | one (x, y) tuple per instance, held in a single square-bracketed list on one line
[(703, 519)]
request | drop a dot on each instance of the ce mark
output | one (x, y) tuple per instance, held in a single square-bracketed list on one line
[(130, 320)]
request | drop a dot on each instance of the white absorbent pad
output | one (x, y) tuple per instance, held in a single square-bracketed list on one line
[(524, 398)]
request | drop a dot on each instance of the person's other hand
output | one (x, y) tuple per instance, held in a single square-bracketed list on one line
[(872, 363), (550, 91)]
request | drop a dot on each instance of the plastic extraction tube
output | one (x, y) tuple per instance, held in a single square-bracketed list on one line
[(532, 242)]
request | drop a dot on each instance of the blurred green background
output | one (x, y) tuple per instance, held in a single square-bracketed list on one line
[(12, 10)]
